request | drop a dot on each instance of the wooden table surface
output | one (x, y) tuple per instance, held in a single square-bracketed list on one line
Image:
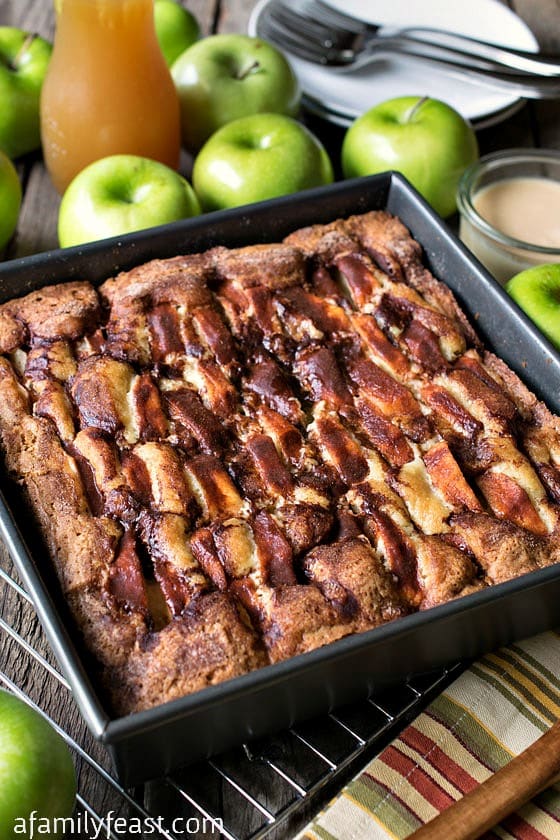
[(535, 125)]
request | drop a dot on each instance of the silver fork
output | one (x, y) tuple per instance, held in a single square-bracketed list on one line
[(314, 31)]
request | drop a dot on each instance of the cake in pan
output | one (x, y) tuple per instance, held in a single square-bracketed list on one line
[(238, 456)]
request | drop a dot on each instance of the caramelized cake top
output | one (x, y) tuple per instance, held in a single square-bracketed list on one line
[(238, 456)]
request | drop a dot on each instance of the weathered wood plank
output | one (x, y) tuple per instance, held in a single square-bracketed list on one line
[(204, 12), (36, 231), (31, 15), (234, 15), (543, 18)]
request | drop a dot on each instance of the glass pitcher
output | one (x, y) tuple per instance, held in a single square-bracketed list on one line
[(108, 89)]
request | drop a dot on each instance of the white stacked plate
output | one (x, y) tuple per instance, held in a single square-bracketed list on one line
[(342, 94)]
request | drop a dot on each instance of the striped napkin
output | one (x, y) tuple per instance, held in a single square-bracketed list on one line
[(489, 714)]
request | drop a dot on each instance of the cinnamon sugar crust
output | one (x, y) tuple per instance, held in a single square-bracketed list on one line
[(239, 456)]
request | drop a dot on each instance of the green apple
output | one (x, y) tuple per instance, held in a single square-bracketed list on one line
[(10, 199), (425, 139), (24, 58), (176, 28), (258, 157), (120, 194), (37, 776), (537, 291), (224, 77)]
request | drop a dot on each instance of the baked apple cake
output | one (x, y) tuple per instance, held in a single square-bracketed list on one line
[(238, 456)]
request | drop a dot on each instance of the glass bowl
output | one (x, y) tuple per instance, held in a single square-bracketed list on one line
[(502, 254)]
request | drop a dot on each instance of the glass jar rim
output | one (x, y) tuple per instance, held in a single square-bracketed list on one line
[(487, 163)]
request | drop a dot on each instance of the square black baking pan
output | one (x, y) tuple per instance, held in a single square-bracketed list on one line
[(152, 743)]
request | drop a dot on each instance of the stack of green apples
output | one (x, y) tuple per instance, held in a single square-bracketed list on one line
[(239, 100), (24, 58)]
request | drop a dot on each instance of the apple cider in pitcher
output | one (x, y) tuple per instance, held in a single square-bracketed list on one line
[(108, 89)]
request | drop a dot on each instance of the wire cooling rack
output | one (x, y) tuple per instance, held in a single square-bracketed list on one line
[(267, 789)]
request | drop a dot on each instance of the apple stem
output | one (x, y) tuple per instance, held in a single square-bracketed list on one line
[(14, 64), (249, 69), (415, 108)]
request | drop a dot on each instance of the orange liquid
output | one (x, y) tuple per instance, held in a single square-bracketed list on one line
[(108, 89)]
